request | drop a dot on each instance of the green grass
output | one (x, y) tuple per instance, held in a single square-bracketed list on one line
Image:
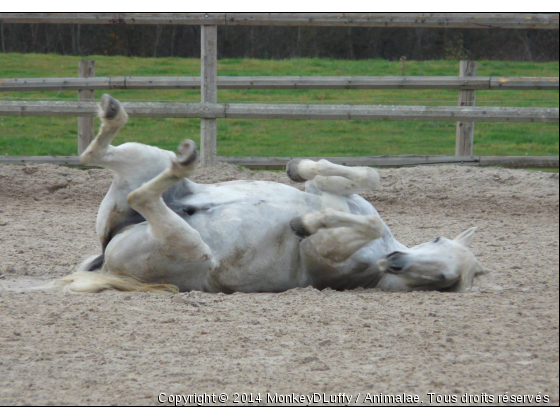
[(57, 136)]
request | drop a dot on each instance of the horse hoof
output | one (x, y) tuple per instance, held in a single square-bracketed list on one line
[(110, 107), (187, 153), (299, 228), (292, 170)]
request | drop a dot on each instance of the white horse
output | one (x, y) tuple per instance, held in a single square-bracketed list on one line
[(160, 231)]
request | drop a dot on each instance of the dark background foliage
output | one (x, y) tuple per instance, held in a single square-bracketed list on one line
[(283, 42)]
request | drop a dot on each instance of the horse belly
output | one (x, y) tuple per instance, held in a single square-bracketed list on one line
[(253, 246), (271, 266)]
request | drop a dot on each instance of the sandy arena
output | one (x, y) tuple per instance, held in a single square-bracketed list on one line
[(122, 349)]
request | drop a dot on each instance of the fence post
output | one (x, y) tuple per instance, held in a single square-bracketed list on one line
[(465, 130), (85, 124), (209, 93)]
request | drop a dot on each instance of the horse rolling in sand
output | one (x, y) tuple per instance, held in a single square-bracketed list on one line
[(159, 231)]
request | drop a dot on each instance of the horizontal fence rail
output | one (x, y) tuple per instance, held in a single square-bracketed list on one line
[(371, 20), (404, 160), (288, 82), (272, 111), (381, 161)]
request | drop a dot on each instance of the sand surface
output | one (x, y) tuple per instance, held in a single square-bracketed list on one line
[(118, 349)]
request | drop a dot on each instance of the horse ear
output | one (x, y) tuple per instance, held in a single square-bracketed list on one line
[(466, 237)]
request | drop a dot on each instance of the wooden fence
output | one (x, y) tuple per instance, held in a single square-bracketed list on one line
[(369, 20), (287, 82), (466, 113)]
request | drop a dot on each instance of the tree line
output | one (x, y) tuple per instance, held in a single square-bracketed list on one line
[(283, 42)]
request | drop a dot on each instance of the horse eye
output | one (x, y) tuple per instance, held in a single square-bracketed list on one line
[(437, 240)]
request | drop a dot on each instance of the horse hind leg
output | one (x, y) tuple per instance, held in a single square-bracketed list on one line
[(133, 165), (171, 232), (113, 118), (134, 162), (165, 226), (332, 178)]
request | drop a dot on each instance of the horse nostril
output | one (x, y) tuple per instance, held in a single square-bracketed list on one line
[(390, 266), (395, 262), (392, 254)]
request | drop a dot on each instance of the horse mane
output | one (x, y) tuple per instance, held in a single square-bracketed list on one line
[(471, 270)]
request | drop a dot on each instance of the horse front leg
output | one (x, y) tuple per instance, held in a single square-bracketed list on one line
[(332, 178), (335, 250), (334, 236)]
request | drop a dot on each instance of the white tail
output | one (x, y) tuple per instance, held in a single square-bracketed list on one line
[(94, 282)]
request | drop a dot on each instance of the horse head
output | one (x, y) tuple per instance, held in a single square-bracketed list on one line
[(443, 264)]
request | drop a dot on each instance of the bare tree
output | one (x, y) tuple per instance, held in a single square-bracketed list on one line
[(159, 28), (2, 36)]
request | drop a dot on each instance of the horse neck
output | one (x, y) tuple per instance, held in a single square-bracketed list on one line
[(391, 242)]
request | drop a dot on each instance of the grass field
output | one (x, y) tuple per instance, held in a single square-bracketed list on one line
[(57, 136)]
